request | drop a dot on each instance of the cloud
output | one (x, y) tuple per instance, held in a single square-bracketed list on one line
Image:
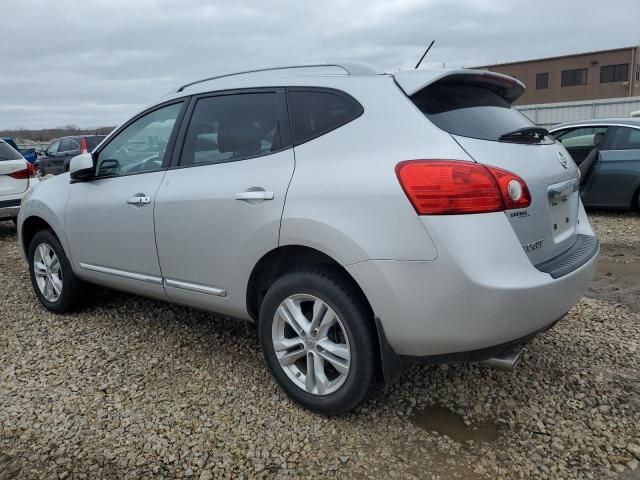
[(94, 62)]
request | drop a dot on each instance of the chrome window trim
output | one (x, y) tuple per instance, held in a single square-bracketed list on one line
[(588, 125)]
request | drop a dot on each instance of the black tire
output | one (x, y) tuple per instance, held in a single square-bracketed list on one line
[(73, 288), (337, 291)]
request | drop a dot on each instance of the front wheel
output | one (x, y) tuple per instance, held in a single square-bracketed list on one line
[(318, 340), (53, 280)]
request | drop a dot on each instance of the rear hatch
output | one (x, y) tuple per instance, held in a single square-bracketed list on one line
[(475, 108), (14, 173)]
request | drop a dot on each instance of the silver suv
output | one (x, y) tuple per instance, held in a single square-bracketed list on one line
[(365, 221)]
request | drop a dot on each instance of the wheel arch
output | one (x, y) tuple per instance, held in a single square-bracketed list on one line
[(30, 226), (635, 199), (284, 259)]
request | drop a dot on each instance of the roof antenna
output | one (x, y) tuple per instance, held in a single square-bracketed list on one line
[(424, 54)]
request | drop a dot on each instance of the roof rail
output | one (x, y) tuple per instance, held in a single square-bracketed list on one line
[(350, 68)]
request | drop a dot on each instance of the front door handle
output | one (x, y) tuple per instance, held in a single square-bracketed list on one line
[(254, 195), (139, 200)]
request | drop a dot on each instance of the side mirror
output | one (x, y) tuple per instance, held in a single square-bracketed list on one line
[(81, 167), (107, 167)]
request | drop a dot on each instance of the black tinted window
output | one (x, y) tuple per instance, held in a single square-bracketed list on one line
[(7, 152), (573, 77), (92, 142), (626, 139), (542, 80), (314, 113), (69, 144), (469, 110), (614, 73), (232, 127)]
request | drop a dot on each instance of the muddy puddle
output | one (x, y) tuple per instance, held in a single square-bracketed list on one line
[(618, 277), (445, 422)]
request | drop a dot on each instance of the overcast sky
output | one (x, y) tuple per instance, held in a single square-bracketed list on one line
[(93, 62)]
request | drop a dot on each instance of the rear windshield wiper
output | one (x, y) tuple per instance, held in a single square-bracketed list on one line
[(525, 135)]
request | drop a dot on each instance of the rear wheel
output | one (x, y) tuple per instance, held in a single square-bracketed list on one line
[(317, 338), (53, 280)]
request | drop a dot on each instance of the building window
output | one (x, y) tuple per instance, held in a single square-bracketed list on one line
[(574, 77), (542, 81), (614, 73)]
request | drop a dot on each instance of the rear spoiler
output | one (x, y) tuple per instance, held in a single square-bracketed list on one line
[(412, 81)]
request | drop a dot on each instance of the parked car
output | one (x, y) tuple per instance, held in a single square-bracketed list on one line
[(365, 221), (55, 159), (29, 154), (16, 176), (607, 152), (635, 114)]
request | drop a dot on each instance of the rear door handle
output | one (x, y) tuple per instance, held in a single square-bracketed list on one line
[(139, 200), (255, 195)]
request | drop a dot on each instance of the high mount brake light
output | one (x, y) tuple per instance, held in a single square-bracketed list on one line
[(450, 187)]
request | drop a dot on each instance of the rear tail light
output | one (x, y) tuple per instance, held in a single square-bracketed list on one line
[(29, 172), (445, 187), (83, 145)]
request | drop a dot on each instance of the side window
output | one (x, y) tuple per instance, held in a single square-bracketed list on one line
[(232, 127), (313, 113), (141, 146), (68, 144), (626, 139), (53, 148), (585, 137)]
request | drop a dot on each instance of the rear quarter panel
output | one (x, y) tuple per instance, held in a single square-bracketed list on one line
[(345, 199)]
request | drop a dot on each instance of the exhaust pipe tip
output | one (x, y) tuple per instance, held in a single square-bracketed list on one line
[(507, 361)]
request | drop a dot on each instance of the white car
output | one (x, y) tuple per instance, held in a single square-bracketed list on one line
[(16, 177)]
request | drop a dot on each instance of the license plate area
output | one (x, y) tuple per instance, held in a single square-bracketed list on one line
[(563, 205)]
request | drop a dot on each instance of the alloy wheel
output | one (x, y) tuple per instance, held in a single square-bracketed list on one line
[(46, 267), (311, 344)]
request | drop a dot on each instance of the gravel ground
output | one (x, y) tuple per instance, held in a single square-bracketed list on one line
[(132, 388)]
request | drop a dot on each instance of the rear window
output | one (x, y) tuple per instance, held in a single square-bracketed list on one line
[(316, 112), (469, 110), (92, 142), (7, 152)]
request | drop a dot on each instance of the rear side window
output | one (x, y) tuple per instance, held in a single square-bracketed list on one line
[(69, 144), (469, 110), (7, 152), (626, 139), (315, 112), (584, 137), (232, 127)]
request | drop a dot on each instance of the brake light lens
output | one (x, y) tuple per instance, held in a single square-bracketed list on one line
[(83, 145), (29, 172), (446, 187)]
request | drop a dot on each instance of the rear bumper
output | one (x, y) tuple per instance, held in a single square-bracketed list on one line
[(482, 291), (9, 208)]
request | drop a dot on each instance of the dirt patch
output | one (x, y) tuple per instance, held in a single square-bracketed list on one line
[(445, 422), (617, 279)]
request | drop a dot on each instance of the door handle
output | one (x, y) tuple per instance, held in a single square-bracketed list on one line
[(139, 200), (254, 195)]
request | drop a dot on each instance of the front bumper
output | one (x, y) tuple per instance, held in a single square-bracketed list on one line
[(480, 292)]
